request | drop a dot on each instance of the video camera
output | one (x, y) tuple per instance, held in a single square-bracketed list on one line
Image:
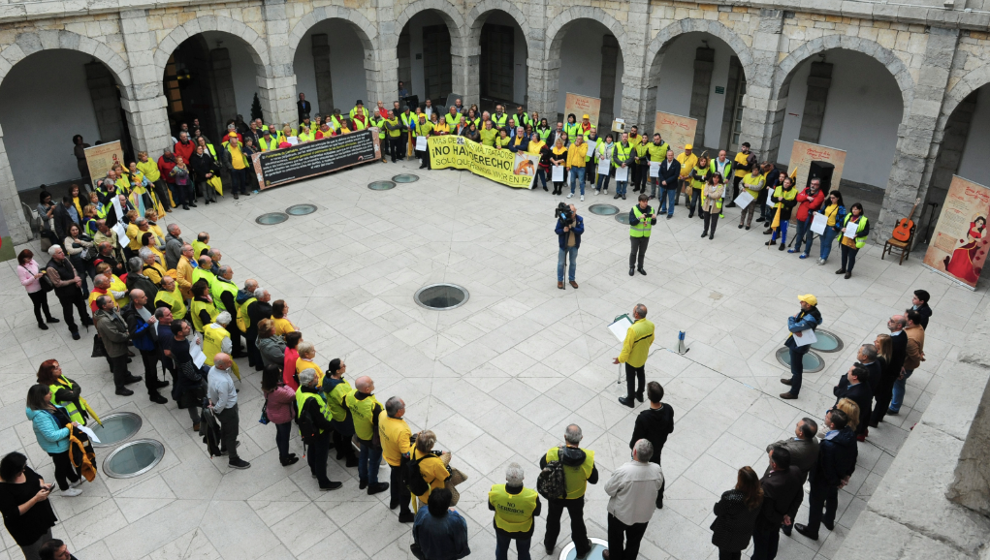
[(563, 212)]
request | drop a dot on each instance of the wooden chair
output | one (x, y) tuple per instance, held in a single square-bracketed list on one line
[(903, 247)]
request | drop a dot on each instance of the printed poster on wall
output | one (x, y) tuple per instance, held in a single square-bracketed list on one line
[(676, 130), (959, 245), (309, 159), (99, 159), (582, 105), (516, 170), (803, 153)]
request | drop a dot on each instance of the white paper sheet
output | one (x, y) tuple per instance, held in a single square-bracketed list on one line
[(654, 169), (89, 432), (294, 140), (121, 231), (851, 229), (198, 357), (621, 173), (620, 327), (603, 165), (116, 206), (744, 199), (770, 201), (818, 224), (557, 175), (421, 143), (807, 337)]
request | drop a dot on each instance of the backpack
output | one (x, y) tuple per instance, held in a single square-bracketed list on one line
[(413, 478), (551, 483)]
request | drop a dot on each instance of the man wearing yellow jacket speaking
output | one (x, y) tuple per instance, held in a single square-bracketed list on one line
[(635, 350)]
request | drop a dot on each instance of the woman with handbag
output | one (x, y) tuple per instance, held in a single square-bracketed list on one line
[(51, 427), (30, 275), (80, 250), (278, 409)]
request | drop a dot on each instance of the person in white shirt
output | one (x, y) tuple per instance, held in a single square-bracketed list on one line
[(223, 401), (632, 492)]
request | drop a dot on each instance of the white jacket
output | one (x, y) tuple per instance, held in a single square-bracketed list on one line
[(633, 492)]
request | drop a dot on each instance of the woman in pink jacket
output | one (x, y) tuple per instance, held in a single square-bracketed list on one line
[(278, 407), (30, 275)]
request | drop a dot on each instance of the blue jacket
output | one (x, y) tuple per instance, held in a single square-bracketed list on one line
[(52, 437), (840, 215), (806, 320), (522, 147), (441, 538), (562, 235)]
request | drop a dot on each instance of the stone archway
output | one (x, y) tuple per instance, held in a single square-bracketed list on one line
[(459, 59), (478, 17)]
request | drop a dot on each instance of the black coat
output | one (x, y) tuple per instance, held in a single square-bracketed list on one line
[(734, 522), (655, 426), (836, 458), (782, 495), (861, 394), (669, 171)]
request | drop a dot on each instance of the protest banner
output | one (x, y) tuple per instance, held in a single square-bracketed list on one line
[(502, 166), (582, 105), (675, 130), (309, 159), (99, 159)]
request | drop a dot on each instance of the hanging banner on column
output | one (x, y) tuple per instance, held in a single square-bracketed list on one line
[(803, 154), (582, 105), (959, 245), (99, 159), (676, 130), (309, 159), (502, 166)]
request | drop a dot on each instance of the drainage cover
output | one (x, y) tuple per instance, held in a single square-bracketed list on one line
[(441, 296), (603, 209), (381, 185), (301, 209), (116, 428), (271, 218), (133, 458), (405, 178), (827, 341), (812, 362), (597, 547), (622, 218)]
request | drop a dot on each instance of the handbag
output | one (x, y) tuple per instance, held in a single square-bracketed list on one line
[(264, 413), (99, 351)]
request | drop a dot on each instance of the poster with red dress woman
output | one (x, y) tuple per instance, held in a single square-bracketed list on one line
[(959, 246)]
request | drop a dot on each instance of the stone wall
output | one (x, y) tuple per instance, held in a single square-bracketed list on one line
[(937, 56)]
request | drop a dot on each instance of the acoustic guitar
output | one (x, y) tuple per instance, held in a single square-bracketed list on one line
[(902, 231)]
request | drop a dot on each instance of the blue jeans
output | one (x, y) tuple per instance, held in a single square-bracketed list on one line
[(620, 187), (542, 176), (502, 541), (569, 254), (783, 233), (827, 239), (239, 179), (667, 198), (803, 229), (368, 462), (897, 399), (603, 182), (797, 367), (695, 201), (577, 174)]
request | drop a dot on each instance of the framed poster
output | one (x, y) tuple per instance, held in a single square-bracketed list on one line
[(101, 158), (959, 244), (676, 130), (582, 105), (803, 153)]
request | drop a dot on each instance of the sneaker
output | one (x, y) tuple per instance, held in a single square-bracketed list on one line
[(570, 195), (71, 492), (77, 483), (582, 198), (239, 464), (803, 256), (597, 192)]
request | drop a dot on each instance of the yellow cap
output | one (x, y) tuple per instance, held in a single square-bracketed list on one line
[(688, 146), (585, 117), (809, 299)]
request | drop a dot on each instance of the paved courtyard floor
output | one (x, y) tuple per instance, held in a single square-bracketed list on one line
[(497, 379)]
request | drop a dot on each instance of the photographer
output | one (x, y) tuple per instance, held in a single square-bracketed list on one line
[(570, 226), (642, 218)]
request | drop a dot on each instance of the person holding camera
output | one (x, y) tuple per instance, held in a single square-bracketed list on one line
[(570, 226), (642, 218)]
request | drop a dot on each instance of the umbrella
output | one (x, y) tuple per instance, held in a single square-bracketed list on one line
[(89, 409)]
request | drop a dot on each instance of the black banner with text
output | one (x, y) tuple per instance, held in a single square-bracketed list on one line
[(310, 159)]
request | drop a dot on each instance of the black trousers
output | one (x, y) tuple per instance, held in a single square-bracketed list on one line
[(396, 147), (228, 431), (399, 493), (624, 540), (162, 192), (822, 497), (637, 176), (40, 301), (883, 395), (728, 555), (254, 356), (632, 375), (64, 471), (316, 457), (579, 533), (119, 367), (765, 541), (150, 360), (711, 221), (73, 298), (425, 156), (235, 338), (638, 253)]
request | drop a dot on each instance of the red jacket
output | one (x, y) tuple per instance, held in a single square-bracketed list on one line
[(185, 151), (165, 168), (807, 206)]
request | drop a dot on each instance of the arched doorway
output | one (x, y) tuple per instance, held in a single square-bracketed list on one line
[(502, 68), (64, 92), (425, 57), (591, 64), (330, 67)]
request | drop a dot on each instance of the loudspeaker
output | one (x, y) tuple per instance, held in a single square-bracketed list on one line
[(821, 170)]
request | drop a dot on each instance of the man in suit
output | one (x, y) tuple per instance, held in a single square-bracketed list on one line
[(803, 448), (867, 356), (836, 463), (782, 495), (898, 353), (303, 107), (670, 170), (855, 386)]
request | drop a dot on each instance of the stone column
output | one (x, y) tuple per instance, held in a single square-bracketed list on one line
[(701, 87), (636, 94), (538, 68), (950, 152), (819, 82), (763, 118), (143, 101), (610, 60), (106, 101), (17, 227), (382, 69), (914, 158), (472, 76), (324, 81), (277, 90)]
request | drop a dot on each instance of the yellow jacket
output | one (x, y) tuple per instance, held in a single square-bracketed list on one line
[(185, 272), (636, 347), (576, 155), (688, 162)]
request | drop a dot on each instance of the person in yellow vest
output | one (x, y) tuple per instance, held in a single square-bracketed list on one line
[(151, 268), (305, 135), (740, 166), (500, 118), (335, 387), (558, 158), (657, 153), (590, 161), (488, 134), (357, 124), (393, 129), (204, 272), (423, 130), (184, 270), (711, 203), (202, 309), (699, 176), (572, 127), (396, 438), (117, 288), (149, 168), (641, 164), (632, 490), (307, 353), (365, 410), (267, 142), (753, 181), (433, 465), (170, 298), (314, 414), (688, 161), (223, 292), (850, 245), (579, 470), (216, 338), (452, 117), (359, 113), (515, 507), (440, 127), (237, 164), (642, 218), (622, 157), (635, 350), (784, 198), (65, 392), (577, 154)]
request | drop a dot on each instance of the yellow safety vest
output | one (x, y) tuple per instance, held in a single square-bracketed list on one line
[(393, 133), (513, 512), (200, 274), (575, 478), (269, 145), (623, 154), (500, 121), (217, 288), (174, 301), (571, 130), (302, 397), (643, 228), (740, 161), (336, 399), (196, 306), (117, 285), (243, 319), (198, 247), (361, 412), (70, 407), (658, 153), (488, 136), (860, 239), (213, 335), (452, 120)]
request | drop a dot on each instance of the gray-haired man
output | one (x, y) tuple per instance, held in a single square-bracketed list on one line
[(395, 438), (632, 492), (579, 470), (514, 507)]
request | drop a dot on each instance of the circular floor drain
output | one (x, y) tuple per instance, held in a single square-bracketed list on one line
[(597, 547), (441, 296), (603, 209), (117, 427), (405, 178), (134, 458), (271, 218), (381, 185), (622, 218), (300, 209), (813, 363), (827, 341)]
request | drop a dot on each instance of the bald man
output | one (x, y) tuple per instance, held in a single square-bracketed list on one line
[(142, 326), (365, 410)]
